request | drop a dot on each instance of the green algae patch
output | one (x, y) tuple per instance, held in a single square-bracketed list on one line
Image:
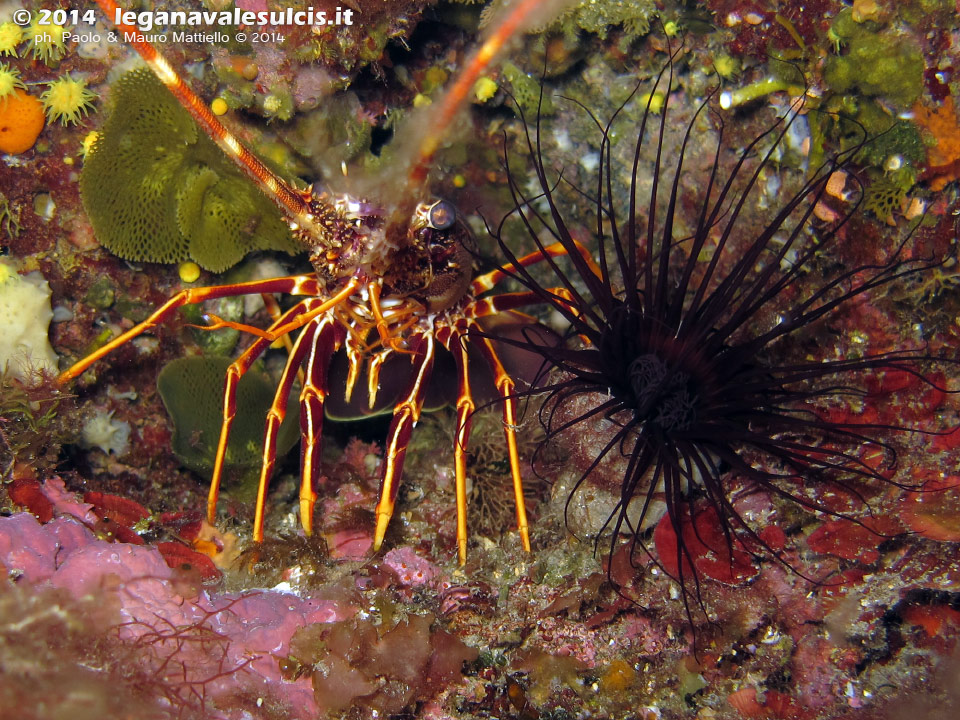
[(888, 136), (157, 189), (875, 63), (598, 16), (527, 92), (192, 391)]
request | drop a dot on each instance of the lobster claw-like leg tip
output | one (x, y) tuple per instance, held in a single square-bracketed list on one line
[(383, 519), (306, 515)]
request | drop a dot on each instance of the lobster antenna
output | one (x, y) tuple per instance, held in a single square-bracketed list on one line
[(513, 19), (295, 203)]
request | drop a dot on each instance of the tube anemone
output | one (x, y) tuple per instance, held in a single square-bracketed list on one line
[(690, 348)]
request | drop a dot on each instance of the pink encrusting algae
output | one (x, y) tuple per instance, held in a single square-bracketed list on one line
[(217, 645)]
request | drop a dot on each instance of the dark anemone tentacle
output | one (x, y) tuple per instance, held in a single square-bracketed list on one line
[(675, 348), (636, 460), (523, 208)]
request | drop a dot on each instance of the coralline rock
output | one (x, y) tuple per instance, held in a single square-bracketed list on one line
[(411, 569)]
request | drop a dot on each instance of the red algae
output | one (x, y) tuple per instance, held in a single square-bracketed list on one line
[(851, 540), (27, 492), (179, 556), (708, 549)]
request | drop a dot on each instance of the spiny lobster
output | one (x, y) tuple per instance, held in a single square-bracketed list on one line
[(387, 282)]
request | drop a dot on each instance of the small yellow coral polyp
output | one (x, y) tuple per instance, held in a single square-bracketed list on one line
[(67, 100), (46, 42), (9, 81), (21, 120), (88, 142), (10, 37)]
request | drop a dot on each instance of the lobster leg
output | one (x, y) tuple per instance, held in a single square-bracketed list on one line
[(465, 409), (277, 413), (454, 341), (279, 330), (510, 301), (373, 375), (295, 285), (505, 387), (487, 306), (488, 280), (405, 416), (504, 383), (387, 339), (327, 340), (236, 371)]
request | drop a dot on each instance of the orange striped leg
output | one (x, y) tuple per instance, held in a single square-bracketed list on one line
[(296, 285), (236, 371), (487, 281), (465, 409), (383, 329), (374, 366), (405, 416), (273, 309), (511, 301), (354, 363), (487, 306), (390, 329), (277, 331), (276, 415), (505, 387), (329, 337)]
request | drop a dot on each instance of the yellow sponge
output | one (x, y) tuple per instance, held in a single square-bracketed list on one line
[(25, 316)]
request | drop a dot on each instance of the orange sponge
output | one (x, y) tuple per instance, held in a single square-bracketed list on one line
[(21, 120)]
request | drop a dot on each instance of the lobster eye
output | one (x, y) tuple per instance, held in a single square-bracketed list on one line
[(442, 215)]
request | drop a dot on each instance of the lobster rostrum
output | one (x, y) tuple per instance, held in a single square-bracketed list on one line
[(387, 282)]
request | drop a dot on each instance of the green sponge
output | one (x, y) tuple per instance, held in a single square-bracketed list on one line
[(157, 189), (192, 391)]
